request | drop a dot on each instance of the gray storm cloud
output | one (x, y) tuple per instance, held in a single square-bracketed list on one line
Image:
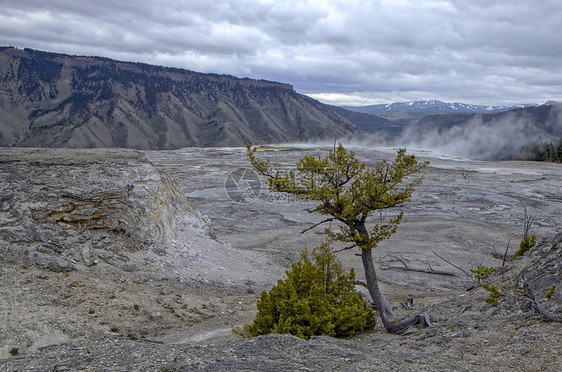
[(335, 51)]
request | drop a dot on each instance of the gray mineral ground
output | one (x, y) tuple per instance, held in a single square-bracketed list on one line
[(125, 260)]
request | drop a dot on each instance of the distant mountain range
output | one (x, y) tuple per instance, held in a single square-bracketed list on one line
[(437, 107), (57, 100)]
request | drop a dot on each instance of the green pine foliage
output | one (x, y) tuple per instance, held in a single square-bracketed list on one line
[(347, 191), (494, 293), (548, 152), (317, 298), (526, 244), (483, 272)]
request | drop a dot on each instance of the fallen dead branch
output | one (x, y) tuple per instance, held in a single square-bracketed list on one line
[(450, 263), (530, 296), (418, 269)]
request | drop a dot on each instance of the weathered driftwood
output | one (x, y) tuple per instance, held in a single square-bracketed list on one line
[(420, 270), (408, 302), (528, 293)]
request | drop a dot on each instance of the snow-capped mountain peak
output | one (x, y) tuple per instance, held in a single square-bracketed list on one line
[(439, 107)]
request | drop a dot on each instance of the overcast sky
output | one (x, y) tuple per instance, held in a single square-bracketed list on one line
[(340, 52)]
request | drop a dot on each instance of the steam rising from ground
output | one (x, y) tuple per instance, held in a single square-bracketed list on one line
[(501, 137), (475, 140), (496, 139)]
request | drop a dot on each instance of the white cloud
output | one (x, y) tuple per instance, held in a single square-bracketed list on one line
[(476, 51)]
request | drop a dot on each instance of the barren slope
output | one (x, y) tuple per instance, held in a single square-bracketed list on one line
[(56, 100)]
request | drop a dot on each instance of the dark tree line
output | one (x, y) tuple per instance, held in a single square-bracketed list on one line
[(548, 152)]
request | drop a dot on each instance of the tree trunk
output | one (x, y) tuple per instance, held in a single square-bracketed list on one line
[(383, 306)]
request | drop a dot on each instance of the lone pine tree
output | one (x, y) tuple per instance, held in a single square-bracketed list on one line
[(347, 192)]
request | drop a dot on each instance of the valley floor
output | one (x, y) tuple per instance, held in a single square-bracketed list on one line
[(464, 211)]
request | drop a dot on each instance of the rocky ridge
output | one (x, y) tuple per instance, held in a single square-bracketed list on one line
[(56, 100), (430, 107)]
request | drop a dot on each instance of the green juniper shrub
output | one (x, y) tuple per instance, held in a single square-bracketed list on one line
[(316, 298)]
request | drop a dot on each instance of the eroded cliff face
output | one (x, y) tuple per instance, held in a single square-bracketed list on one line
[(56, 100), (63, 209)]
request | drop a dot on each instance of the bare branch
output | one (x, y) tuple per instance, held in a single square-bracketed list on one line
[(360, 283), (315, 210), (529, 220), (505, 254), (450, 263), (318, 224), (346, 248), (527, 292), (401, 260)]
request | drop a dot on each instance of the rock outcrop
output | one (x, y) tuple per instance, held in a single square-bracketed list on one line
[(66, 208), (104, 210), (540, 271), (99, 242)]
